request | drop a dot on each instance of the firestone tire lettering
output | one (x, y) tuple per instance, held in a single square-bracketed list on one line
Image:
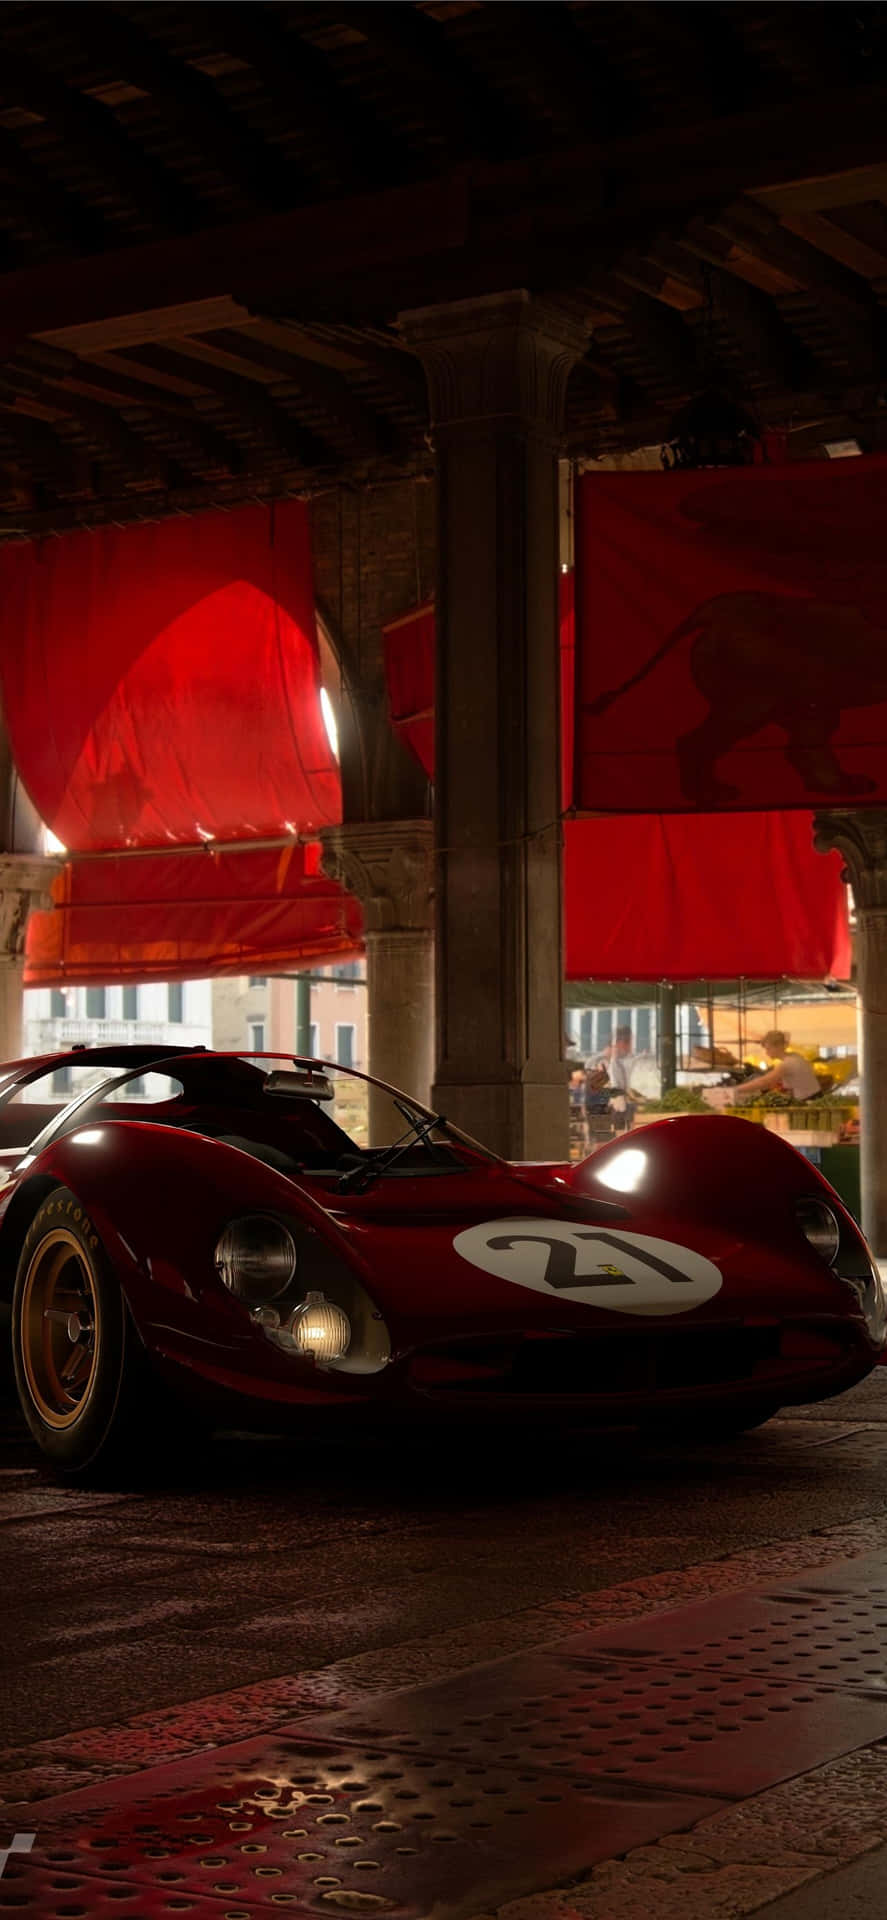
[(602, 1267)]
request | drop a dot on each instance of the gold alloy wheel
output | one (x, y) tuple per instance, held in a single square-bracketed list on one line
[(60, 1328)]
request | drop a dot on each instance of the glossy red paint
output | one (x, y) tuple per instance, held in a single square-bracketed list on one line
[(502, 1288)]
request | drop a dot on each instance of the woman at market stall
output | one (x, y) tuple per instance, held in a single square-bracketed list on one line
[(789, 1072)]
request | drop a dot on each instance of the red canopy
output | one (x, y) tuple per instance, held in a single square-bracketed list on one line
[(190, 917), (161, 689), (732, 638), (160, 683), (656, 897)]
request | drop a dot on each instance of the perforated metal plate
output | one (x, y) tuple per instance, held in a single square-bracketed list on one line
[(270, 1825), (462, 1794), (663, 1721), (830, 1630)]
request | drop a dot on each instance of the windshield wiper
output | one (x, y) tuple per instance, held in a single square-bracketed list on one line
[(420, 1126)]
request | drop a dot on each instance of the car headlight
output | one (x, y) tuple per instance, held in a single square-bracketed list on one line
[(869, 1291), (256, 1258), (819, 1226), (849, 1258), (318, 1326)]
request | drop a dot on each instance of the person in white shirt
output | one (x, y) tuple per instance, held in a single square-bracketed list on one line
[(790, 1072)]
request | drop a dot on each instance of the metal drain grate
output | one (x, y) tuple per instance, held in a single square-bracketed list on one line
[(668, 1724), (472, 1791), (272, 1825), (821, 1635), (43, 1894)]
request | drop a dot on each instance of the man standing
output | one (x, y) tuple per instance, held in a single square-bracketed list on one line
[(618, 1060)]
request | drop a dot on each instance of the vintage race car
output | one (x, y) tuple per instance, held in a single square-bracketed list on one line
[(235, 1237)]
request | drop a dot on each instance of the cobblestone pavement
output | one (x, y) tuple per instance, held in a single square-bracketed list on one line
[(540, 1679)]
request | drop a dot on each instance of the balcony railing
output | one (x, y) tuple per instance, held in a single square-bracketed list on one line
[(45, 1036)]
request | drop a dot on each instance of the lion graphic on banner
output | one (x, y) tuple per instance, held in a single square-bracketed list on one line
[(761, 659)]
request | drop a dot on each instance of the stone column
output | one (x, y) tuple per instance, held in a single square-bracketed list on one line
[(387, 864), (497, 370), (860, 834), (24, 883)]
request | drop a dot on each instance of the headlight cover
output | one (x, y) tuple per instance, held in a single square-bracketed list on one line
[(819, 1226), (320, 1327), (848, 1257), (869, 1290), (255, 1258)]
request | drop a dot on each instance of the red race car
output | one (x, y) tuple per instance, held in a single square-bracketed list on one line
[(238, 1236)]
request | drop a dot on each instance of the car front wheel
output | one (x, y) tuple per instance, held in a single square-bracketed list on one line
[(78, 1366)]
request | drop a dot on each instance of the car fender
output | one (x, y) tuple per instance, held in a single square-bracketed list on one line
[(157, 1199)]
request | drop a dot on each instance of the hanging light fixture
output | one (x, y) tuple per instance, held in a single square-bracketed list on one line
[(712, 429)]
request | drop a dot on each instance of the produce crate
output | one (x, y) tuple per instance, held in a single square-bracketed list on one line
[(813, 1117)]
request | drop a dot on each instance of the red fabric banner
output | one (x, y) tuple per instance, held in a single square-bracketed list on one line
[(702, 896), (160, 683), (190, 917), (409, 666), (161, 689), (732, 638), (656, 897)]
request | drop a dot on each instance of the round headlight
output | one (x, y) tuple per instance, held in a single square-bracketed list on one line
[(318, 1326), (256, 1258), (820, 1228)]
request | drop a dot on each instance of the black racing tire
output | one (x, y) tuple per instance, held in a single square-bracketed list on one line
[(81, 1374)]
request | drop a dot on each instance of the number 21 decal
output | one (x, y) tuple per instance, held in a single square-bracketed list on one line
[(625, 1272)]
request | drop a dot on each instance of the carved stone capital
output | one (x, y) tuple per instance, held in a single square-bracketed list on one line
[(25, 880), (388, 864), (505, 356), (860, 835)]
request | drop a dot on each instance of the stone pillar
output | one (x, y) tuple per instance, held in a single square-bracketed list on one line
[(497, 371), (387, 864), (24, 883), (860, 834)]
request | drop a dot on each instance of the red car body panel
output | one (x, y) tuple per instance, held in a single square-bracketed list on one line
[(721, 1191)]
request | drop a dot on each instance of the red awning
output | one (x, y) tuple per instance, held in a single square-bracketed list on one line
[(190, 917), (160, 683), (732, 638), (161, 688), (666, 897)]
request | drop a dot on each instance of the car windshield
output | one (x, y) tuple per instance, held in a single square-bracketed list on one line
[(294, 1114)]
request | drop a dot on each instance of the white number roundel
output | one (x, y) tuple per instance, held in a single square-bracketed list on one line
[(600, 1266)]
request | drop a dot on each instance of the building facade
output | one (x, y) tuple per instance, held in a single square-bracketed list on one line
[(258, 1013), (178, 1013)]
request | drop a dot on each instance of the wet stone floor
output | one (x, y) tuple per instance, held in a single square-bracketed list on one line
[(451, 1677)]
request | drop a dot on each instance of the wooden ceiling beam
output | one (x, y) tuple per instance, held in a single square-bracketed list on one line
[(62, 373), (101, 425), (661, 335), (371, 433), (710, 61), (302, 82), (748, 225), (39, 448), (56, 212), (568, 70), (754, 321), (474, 117), (502, 225), (93, 130), (399, 368), (190, 100), (247, 399)]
